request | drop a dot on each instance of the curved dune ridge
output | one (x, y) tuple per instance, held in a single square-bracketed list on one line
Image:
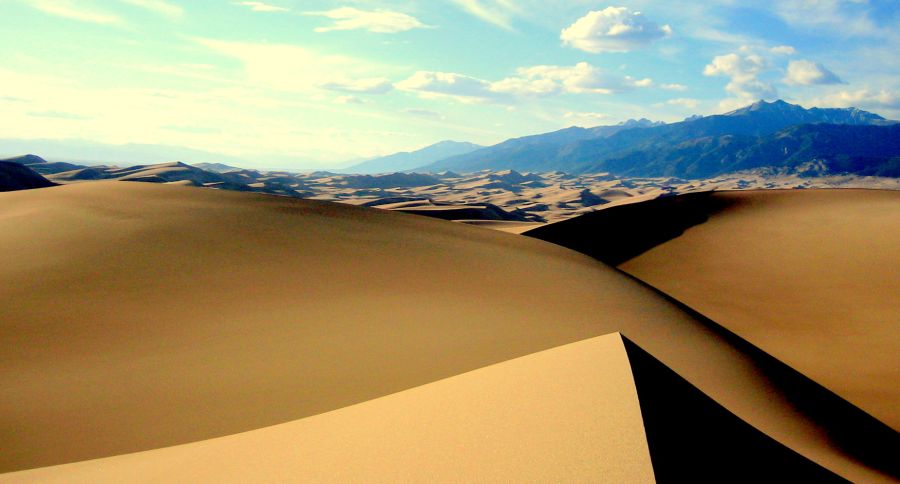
[(809, 276), (146, 316)]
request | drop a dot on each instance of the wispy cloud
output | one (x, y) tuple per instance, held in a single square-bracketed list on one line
[(75, 11), (861, 98), (425, 113), (288, 67), (58, 115), (497, 12), (161, 7), (528, 82), (262, 7), (379, 21), (673, 87), (372, 85)]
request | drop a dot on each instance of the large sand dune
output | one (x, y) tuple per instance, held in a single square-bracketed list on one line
[(810, 276), (143, 316)]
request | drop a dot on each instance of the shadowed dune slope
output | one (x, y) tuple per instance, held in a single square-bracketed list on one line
[(140, 316), (809, 276), (692, 439), (14, 176)]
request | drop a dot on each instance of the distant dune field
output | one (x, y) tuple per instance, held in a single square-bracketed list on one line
[(144, 316)]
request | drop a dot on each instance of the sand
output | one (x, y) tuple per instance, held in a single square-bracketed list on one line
[(144, 316), (565, 414), (809, 276)]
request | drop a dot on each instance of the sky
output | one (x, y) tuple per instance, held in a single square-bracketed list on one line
[(317, 84)]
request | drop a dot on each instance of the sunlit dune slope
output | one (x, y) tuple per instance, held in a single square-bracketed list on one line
[(569, 413), (140, 316)]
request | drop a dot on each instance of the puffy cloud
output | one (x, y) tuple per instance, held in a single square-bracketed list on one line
[(262, 7), (783, 50), (379, 21), (807, 73), (374, 85), (613, 29), (743, 70)]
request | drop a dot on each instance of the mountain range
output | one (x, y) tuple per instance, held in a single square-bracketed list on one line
[(764, 134), (408, 160)]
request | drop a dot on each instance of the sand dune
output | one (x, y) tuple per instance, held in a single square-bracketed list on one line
[(571, 413), (154, 315), (566, 414), (801, 274), (14, 176)]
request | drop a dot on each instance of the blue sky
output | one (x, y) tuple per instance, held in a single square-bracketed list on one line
[(307, 83)]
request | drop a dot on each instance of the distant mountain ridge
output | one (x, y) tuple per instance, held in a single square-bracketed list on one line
[(405, 161), (697, 147), (522, 153)]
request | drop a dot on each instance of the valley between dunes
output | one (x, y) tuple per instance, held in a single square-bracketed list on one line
[(154, 332)]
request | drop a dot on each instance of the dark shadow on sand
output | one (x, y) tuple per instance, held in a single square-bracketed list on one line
[(617, 234)]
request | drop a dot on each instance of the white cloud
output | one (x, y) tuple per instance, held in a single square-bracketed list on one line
[(674, 87), (743, 70), (613, 29), (807, 73), (158, 6), (783, 50), (75, 11), (497, 12), (262, 7), (683, 102), (372, 85), (458, 86), (379, 21), (533, 81), (861, 98), (580, 78)]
